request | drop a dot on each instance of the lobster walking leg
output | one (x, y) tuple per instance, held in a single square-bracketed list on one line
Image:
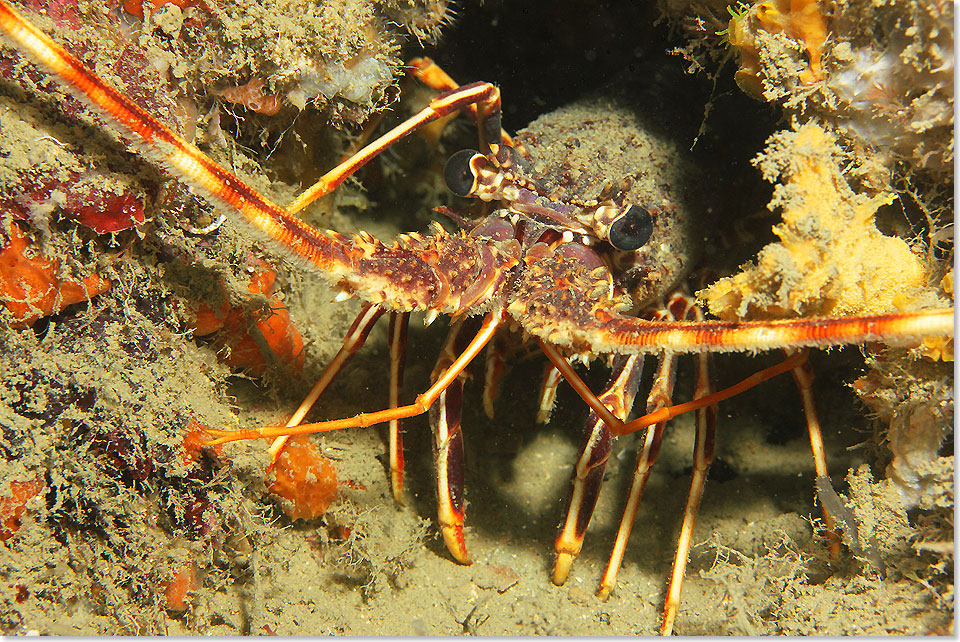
[(680, 306), (423, 402), (803, 376), (594, 451), (353, 341), (548, 393), (563, 366), (660, 395), (446, 424), (494, 369), (399, 322), (706, 419)]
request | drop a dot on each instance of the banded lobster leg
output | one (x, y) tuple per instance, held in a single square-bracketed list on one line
[(352, 342), (660, 396), (590, 463), (443, 400), (445, 423), (703, 456), (680, 307), (399, 322), (494, 369), (571, 536), (548, 393), (703, 448), (592, 459)]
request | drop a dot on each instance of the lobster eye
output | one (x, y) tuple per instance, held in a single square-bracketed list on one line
[(458, 174), (632, 229)]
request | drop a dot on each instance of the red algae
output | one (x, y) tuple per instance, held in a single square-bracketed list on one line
[(103, 211)]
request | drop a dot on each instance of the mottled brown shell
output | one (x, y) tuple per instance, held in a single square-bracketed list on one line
[(446, 273), (554, 295)]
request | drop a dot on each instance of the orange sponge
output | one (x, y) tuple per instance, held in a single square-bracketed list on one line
[(279, 334), (800, 20), (182, 582), (305, 478), (251, 96), (29, 286), (11, 508)]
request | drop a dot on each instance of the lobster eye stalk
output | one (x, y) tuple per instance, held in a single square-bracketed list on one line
[(631, 230), (459, 173)]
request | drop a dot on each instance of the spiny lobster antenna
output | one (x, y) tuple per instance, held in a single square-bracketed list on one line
[(158, 143)]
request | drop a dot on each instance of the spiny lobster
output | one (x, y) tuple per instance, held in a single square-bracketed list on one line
[(552, 267)]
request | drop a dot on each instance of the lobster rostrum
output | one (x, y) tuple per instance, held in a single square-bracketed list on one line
[(571, 272)]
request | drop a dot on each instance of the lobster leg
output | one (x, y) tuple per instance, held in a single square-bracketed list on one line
[(660, 395), (619, 428), (680, 306), (445, 423), (703, 456), (571, 376), (423, 402), (706, 419), (494, 369), (803, 375), (594, 451), (548, 393), (353, 341), (399, 321)]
